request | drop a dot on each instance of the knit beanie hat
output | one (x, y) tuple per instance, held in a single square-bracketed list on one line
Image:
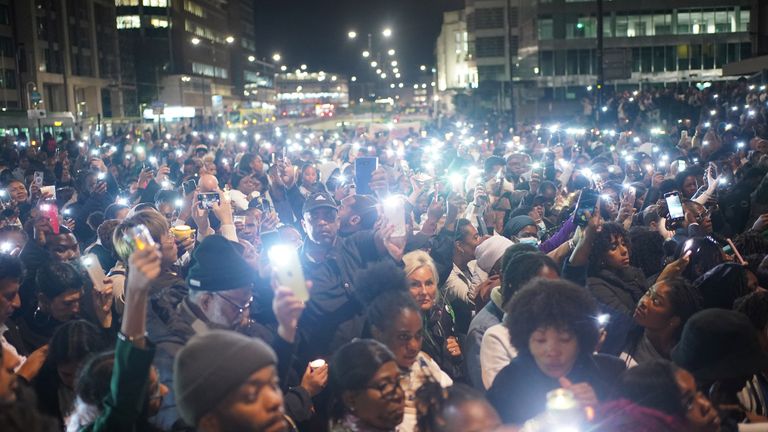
[(490, 251), (212, 365), (218, 266), (516, 224)]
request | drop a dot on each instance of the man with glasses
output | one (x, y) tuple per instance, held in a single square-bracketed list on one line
[(220, 286)]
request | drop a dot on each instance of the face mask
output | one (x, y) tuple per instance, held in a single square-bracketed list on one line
[(530, 240)]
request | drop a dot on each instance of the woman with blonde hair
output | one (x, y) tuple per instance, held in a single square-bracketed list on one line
[(440, 340)]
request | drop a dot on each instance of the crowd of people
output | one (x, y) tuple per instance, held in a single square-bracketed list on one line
[(475, 277)]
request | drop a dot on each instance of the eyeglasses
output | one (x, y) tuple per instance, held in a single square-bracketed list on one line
[(387, 389), (239, 308)]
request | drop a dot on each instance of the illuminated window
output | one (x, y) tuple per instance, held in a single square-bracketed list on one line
[(158, 22), (155, 3), (194, 8), (128, 22), (126, 2)]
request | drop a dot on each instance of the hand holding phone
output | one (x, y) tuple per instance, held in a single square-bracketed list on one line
[(394, 211), (674, 206), (95, 272), (205, 201), (287, 270), (587, 204)]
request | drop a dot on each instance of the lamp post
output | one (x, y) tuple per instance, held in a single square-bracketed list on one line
[(229, 40)]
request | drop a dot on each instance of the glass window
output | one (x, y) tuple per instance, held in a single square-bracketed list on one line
[(708, 22), (489, 46), (662, 24), (126, 2), (622, 25), (607, 26), (155, 3), (128, 22), (579, 28), (560, 62), (158, 22), (745, 49), (722, 25), (646, 56), (697, 23), (194, 8), (721, 55), (744, 20), (670, 60), (708, 56), (546, 63), (683, 57), (658, 59), (572, 62), (695, 56), (733, 52), (584, 62), (683, 23), (636, 61), (545, 29), (489, 18)]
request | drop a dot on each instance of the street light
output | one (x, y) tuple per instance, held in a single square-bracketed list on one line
[(394, 63), (352, 34), (353, 79), (391, 52), (251, 58), (276, 57), (303, 67), (374, 64), (423, 68), (366, 54), (383, 75), (195, 41), (283, 68), (229, 39), (387, 32)]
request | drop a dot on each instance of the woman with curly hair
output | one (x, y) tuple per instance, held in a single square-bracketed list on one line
[(615, 284), (553, 326)]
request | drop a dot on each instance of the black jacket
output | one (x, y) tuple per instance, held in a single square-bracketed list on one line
[(618, 293), (519, 391)]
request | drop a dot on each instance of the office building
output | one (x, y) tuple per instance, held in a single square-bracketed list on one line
[(553, 44), (199, 53), (456, 70), (67, 59)]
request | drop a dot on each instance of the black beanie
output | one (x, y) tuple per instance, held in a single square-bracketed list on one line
[(219, 267)]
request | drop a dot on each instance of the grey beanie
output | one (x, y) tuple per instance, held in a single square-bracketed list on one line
[(210, 366)]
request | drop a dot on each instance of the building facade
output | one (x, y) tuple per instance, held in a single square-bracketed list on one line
[(67, 57), (456, 70), (306, 94), (199, 53), (547, 49)]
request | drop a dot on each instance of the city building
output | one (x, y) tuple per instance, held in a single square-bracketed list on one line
[(547, 49), (456, 70), (305, 94), (67, 58), (198, 53)]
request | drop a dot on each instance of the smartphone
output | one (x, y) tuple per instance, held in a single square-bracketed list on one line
[(587, 203), (364, 168), (287, 271), (675, 206), (394, 212), (51, 212), (38, 179), (50, 190), (96, 273), (207, 199), (189, 186)]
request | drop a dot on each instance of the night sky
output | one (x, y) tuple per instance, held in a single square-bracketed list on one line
[(315, 31)]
